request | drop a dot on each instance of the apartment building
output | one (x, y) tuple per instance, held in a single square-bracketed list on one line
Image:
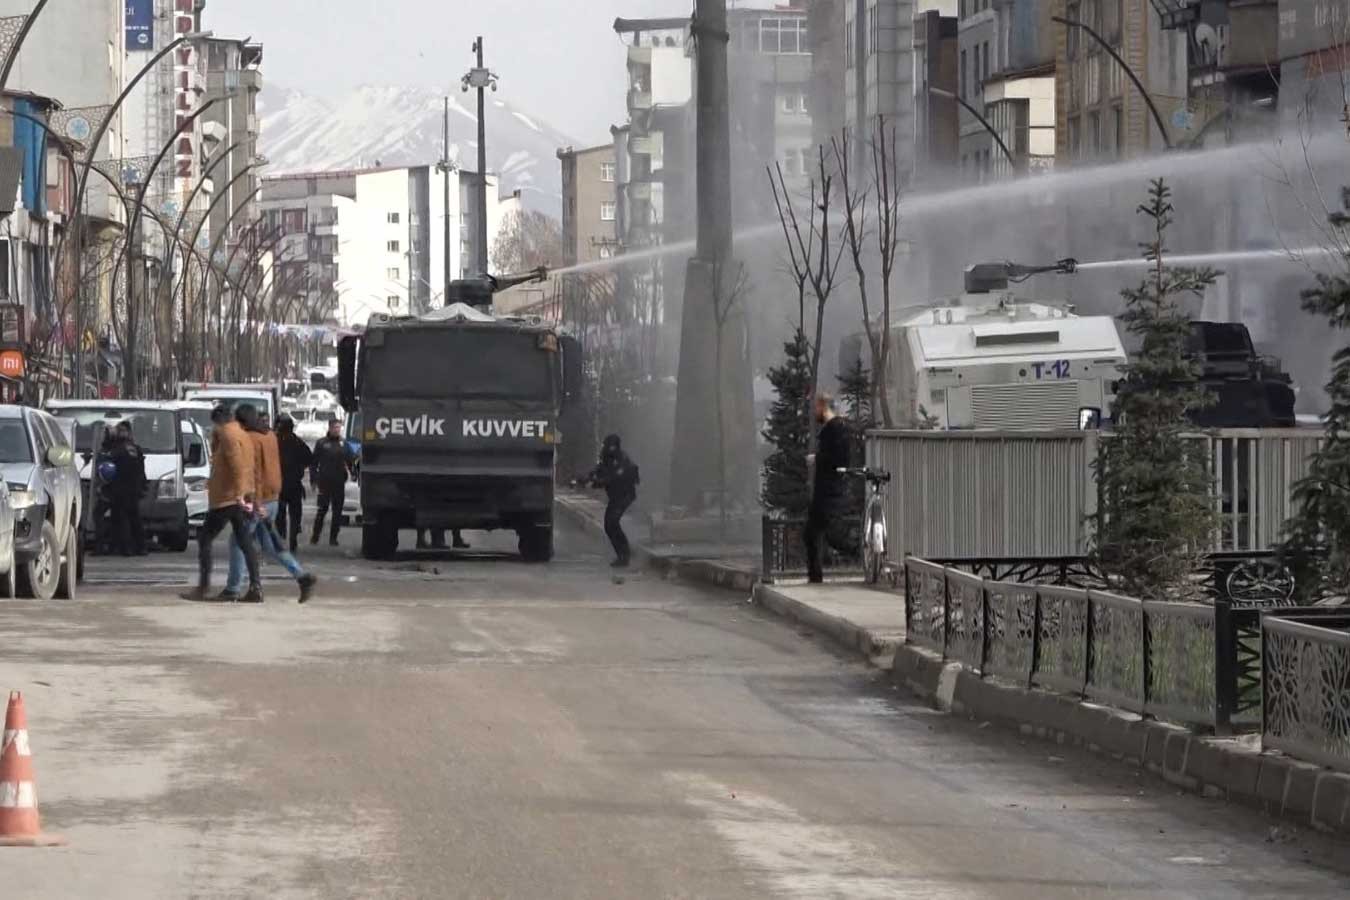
[(359, 242), (590, 206)]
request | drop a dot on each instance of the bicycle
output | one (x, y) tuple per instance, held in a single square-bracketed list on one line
[(873, 536)]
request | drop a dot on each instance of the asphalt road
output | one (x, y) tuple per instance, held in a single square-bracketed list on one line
[(469, 726)]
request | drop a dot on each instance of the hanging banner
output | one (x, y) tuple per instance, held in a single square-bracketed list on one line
[(140, 24)]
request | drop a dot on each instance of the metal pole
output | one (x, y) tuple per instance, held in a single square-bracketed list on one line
[(445, 177), (482, 168), (13, 54), (1012, 160)]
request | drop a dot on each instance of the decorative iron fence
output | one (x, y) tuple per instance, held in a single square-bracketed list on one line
[(1195, 663), (784, 552), (1305, 709)]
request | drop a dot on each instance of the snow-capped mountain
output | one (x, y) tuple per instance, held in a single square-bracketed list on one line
[(396, 126)]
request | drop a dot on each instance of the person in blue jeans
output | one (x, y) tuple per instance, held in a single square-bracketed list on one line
[(262, 525)]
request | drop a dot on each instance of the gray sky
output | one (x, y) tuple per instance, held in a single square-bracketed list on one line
[(559, 59)]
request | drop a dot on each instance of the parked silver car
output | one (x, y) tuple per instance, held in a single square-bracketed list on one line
[(43, 483)]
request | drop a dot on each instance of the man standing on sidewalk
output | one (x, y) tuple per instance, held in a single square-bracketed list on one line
[(829, 493), (267, 463), (296, 458), (332, 463), (125, 492), (230, 494)]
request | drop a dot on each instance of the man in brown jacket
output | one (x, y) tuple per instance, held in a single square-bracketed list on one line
[(231, 491), (267, 468)]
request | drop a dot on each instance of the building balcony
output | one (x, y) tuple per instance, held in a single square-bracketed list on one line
[(639, 191), (643, 145)]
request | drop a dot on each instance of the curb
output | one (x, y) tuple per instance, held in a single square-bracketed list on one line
[(877, 648), (1214, 767), (701, 571)]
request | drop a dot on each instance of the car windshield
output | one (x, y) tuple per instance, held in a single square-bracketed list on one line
[(14, 444), (154, 430), (202, 418)]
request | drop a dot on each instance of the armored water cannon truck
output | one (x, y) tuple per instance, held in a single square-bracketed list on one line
[(1247, 390), (991, 359), (459, 419)]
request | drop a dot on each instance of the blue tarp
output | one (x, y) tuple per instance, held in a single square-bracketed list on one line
[(31, 138)]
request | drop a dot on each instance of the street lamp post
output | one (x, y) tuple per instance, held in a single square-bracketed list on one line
[(1129, 73), (22, 36), (480, 78), (133, 233), (1012, 160), (445, 167)]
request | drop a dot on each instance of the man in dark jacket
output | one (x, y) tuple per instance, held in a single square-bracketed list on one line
[(125, 492), (829, 495), (329, 470), (618, 475), (296, 458)]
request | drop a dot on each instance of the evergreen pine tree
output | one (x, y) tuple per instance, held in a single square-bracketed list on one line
[(855, 391), (788, 429), (1155, 513), (1316, 548)]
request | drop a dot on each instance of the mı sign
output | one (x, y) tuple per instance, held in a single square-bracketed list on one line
[(140, 24)]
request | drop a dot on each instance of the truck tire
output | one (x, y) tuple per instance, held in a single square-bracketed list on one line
[(177, 541), (378, 542), (536, 543)]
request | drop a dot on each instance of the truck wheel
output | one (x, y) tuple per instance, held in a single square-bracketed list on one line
[(378, 542), (536, 543)]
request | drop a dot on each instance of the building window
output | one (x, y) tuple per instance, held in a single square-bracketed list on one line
[(783, 35), (606, 251), (848, 46), (1094, 134), (1074, 13), (872, 34), (293, 221), (984, 60), (607, 172), (1119, 115), (393, 218), (608, 210), (394, 273), (392, 299), (961, 88), (392, 246)]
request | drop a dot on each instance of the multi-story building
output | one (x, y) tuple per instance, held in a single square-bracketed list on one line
[(936, 123), (590, 207), (355, 243), (233, 79), (1099, 114), (1006, 71), (879, 72)]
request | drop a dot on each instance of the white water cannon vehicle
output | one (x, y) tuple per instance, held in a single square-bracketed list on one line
[(991, 359)]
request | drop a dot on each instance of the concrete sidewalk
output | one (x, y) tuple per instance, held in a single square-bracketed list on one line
[(865, 620)]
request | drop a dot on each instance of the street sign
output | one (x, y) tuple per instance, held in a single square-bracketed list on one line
[(140, 25), (11, 363)]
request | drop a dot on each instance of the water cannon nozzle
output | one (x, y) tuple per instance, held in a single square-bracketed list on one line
[(1067, 266)]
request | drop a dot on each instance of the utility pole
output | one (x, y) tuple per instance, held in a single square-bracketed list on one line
[(480, 78), (713, 336), (445, 178)]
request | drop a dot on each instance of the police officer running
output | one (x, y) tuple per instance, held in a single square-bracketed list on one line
[(618, 475)]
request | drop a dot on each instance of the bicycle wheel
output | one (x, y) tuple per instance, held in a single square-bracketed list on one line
[(874, 544)]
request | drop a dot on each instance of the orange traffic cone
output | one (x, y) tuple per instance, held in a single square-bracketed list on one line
[(19, 825)]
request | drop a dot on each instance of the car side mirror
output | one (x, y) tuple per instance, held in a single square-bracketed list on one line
[(60, 457)]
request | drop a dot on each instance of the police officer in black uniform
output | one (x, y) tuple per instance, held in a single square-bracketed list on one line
[(618, 475), (125, 492)]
